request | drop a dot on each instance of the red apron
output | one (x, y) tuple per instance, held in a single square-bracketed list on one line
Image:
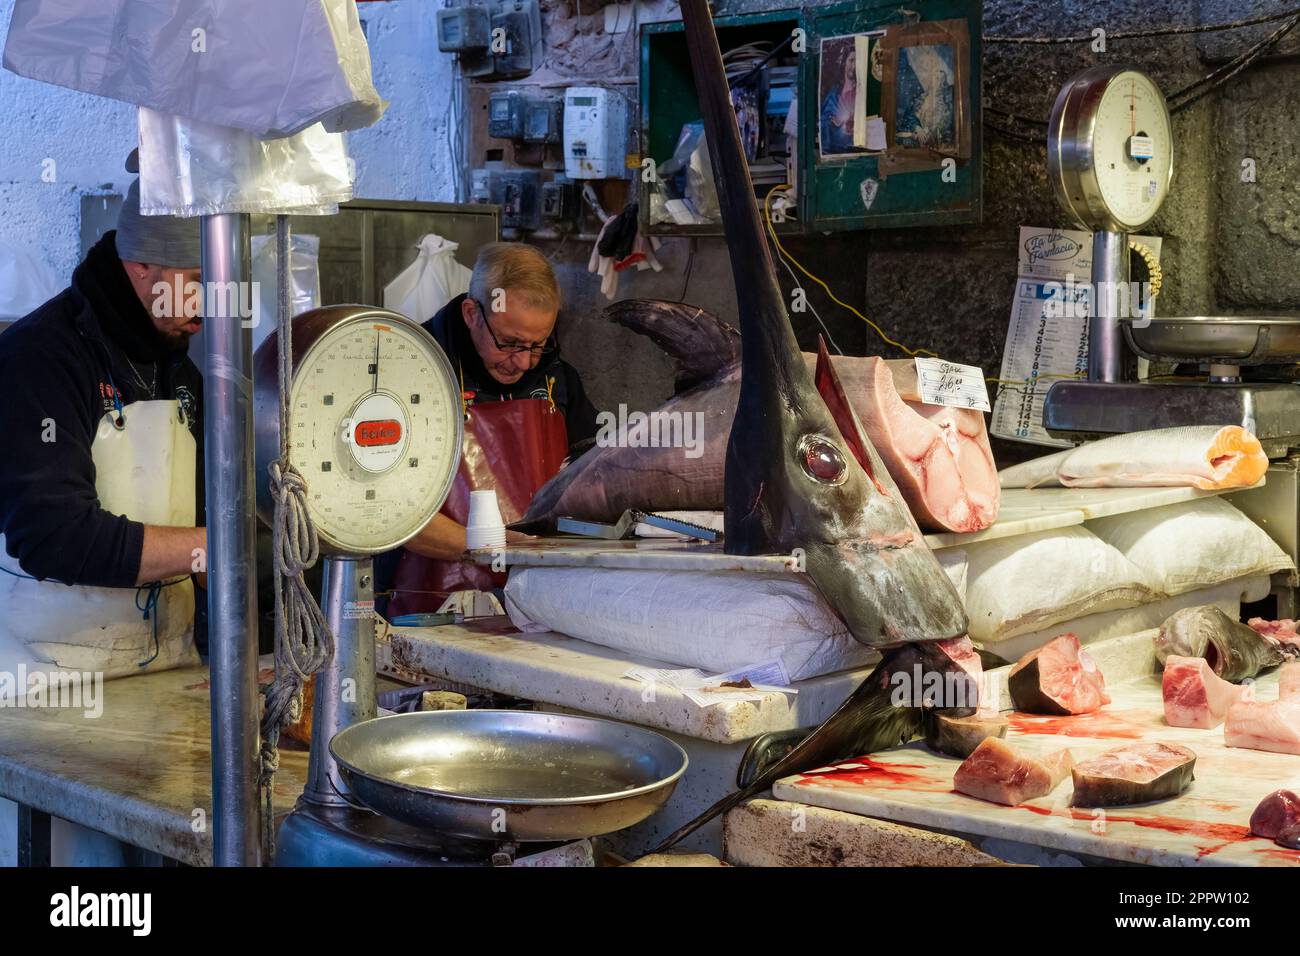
[(512, 446)]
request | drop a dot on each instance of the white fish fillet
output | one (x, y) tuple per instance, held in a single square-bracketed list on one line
[(1288, 681), (1272, 726), (1201, 456), (1036, 473)]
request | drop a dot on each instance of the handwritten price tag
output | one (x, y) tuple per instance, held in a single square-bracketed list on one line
[(947, 383)]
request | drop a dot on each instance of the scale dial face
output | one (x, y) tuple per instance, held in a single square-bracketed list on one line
[(376, 431), (1110, 149)]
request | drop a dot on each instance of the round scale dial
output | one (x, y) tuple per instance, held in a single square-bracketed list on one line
[(376, 428), (1110, 148)]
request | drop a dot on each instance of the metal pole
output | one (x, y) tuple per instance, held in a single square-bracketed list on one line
[(232, 529), (345, 690), (1109, 297)]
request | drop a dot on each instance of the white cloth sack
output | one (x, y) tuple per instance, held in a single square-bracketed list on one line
[(718, 621), (1193, 544), (191, 167), (304, 279), (271, 68), (1031, 581), (25, 282), (428, 283), (146, 472)]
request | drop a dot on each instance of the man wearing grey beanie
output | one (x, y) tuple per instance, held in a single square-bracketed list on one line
[(117, 335)]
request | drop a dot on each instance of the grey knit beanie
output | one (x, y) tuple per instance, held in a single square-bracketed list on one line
[(159, 240)]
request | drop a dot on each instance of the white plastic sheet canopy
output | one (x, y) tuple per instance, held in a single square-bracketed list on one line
[(270, 68)]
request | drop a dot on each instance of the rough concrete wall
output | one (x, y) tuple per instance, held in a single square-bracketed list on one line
[(403, 157)]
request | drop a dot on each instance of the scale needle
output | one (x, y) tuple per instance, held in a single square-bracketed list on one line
[(376, 365)]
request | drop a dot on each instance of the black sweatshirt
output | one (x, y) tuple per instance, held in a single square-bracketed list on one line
[(58, 369), (449, 329)]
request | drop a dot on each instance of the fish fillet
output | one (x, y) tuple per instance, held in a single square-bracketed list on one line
[(959, 736), (1273, 726), (1194, 695), (1283, 633), (997, 772), (1058, 678), (1202, 456), (938, 455), (1138, 773), (1288, 680)]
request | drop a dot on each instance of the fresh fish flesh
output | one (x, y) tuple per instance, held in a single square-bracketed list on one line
[(1194, 696), (1288, 680), (939, 455), (1036, 473), (1058, 678), (1256, 725), (800, 473), (1277, 812), (876, 716), (1138, 773), (997, 772), (1235, 652), (1283, 633), (959, 736), (1202, 456)]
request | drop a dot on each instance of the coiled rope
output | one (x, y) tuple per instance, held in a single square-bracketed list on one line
[(304, 644)]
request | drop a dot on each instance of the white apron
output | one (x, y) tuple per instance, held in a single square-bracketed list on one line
[(145, 471)]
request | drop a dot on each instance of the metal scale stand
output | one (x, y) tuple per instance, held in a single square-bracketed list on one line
[(377, 429), (1110, 159)]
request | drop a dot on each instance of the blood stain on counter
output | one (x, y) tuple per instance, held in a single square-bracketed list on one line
[(866, 771), (1099, 724)]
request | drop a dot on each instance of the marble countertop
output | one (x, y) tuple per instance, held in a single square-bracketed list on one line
[(1207, 825), (141, 771), (566, 672)]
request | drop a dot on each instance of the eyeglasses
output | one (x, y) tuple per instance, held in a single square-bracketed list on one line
[(550, 346)]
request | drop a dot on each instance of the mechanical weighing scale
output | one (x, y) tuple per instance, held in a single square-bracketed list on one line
[(1110, 159), (377, 426)]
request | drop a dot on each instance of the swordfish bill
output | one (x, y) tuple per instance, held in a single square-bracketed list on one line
[(798, 476)]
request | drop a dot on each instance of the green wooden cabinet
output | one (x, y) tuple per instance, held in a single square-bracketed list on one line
[(924, 184)]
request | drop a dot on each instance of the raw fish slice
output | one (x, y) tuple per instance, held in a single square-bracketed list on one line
[(1233, 650), (959, 736), (939, 456), (998, 773), (1282, 632), (1288, 680), (1194, 695), (1277, 812), (1036, 473), (1138, 773), (1202, 456), (1058, 678), (1273, 726)]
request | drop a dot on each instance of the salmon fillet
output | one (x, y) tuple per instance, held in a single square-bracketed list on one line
[(1194, 695), (939, 456), (1201, 456), (997, 772)]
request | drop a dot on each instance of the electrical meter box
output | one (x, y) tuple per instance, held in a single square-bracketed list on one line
[(543, 121), (521, 198), (463, 28), (559, 200), (595, 133), (506, 110), (521, 24)]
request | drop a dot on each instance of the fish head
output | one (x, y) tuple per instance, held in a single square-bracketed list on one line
[(826, 497)]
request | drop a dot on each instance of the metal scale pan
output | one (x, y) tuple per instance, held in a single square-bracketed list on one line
[(525, 776), (1219, 340)]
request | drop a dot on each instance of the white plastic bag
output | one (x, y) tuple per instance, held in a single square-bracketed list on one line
[(194, 168), (270, 68), (304, 279), (428, 283), (25, 282)]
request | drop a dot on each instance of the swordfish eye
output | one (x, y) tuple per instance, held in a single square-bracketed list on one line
[(822, 460)]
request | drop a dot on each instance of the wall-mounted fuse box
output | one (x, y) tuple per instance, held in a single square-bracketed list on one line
[(544, 121), (559, 200), (521, 198)]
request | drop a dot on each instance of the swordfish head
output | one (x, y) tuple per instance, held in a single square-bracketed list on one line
[(800, 472)]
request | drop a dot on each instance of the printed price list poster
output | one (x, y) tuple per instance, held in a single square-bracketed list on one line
[(1045, 345)]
